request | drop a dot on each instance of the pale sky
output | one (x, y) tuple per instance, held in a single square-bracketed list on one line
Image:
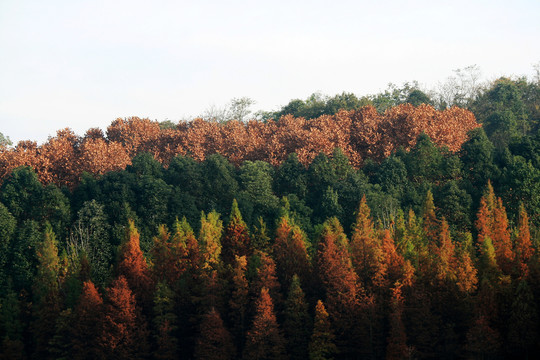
[(82, 64)]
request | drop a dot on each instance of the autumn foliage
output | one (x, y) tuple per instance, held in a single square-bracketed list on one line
[(361, 134)]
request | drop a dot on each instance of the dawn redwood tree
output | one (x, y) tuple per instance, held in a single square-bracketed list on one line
[(265, 276), (322, 342), (47, 302), (290, 252), (133, 267), (165, 323), (522, 245), (297, 323), (397, 339), (87, 324), (366, 249), (501, 238), (238, 302), (214, 341), (343, 293), (236, 239), (124, 330), (210, 240), (264, 340)]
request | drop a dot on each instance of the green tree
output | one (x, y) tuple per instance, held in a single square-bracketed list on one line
[(7, 229), (297, 322)]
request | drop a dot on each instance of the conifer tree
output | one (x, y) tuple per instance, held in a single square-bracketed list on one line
[(266, 277), (11, 328), (290, 252), (501, 238), (446, 262), (238, 302), (366, 250), (264, 340), (124, 330), (165, 323), (523, 246), (340, 283), (87, 323), (210, 240), (214, 341), (236, 239), (430, 221), (523, 322), (186, 245), (46, 293), (397, 339), (297, 322), (133, 267), (321, 345)]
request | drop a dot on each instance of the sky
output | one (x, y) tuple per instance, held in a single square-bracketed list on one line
[(82, 64)]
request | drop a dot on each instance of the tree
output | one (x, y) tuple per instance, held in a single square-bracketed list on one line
[(297, 322), (87, 324), (165, 323), (7, 229), (397, 339), (366, 251), (133, 267), (210, 239), (321, 345), (340, 283), (124, 332), (238, 301), (522, 246), (214, 341), (46, 293), (236, 239), (90, 235), (264, 340), (5, 140), (290, 252)]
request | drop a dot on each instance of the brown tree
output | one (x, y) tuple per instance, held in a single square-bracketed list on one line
[(264, 340)]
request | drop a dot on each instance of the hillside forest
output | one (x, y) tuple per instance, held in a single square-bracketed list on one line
[(396, 226)]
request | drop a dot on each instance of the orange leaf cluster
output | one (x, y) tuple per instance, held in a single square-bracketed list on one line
[(361, 134)]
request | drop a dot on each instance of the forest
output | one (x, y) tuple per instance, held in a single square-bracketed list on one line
[(392, 227)]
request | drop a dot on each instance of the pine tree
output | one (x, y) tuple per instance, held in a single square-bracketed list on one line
[(264, 340), (214, 341), (321, 345), (297, 321)]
